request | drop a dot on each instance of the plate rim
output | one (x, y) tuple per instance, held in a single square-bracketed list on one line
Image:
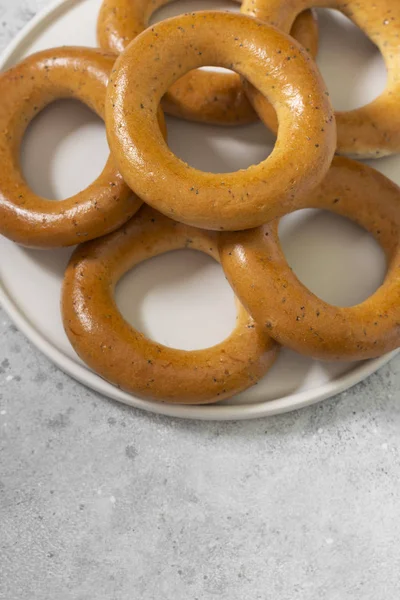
[(91, 380)]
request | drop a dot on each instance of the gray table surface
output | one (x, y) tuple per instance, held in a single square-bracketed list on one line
[(99, 501)]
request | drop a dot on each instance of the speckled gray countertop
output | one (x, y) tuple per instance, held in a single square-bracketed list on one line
[(101, 502)]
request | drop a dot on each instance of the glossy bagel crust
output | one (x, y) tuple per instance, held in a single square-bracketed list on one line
[(204, 96), (26, 89), (263, 281), (124, 356), (374, 129), (306, 139)]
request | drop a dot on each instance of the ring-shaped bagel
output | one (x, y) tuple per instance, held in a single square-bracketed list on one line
[(27, 88), (263, 281), (306, 139), (126, 357), (374, 129), (204, 96)]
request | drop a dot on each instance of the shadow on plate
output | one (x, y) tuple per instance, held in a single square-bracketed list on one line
[(53, 261), (219, 149)]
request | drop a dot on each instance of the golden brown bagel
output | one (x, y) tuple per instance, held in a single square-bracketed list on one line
[(205, 96), (374, 129), (246, 198), (124, 356), (260, 276), (26, 88)]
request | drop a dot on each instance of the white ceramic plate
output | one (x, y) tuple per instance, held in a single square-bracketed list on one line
[(182, 299)]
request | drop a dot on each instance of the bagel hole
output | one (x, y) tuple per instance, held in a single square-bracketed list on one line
[(333, 257), (64, 150), (219, 149), (352, 66), (180, 299)]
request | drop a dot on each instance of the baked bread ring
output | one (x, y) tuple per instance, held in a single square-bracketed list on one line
[(124, 356), (374, 129), (306, 139), (25, 217), (260, 276), (208, 97)]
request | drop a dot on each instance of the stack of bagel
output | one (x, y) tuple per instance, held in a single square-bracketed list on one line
[(147, 201)]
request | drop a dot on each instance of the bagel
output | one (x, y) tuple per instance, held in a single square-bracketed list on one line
[(204, 96), (27, 88), (230, 201), (126, 357), (261, 278), (373, 130)]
